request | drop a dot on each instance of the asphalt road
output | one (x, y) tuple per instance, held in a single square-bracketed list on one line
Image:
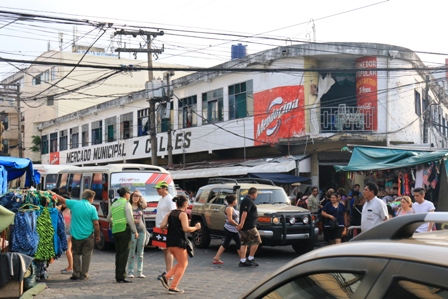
[(202, 279)]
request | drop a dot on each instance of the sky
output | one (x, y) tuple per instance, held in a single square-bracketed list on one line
[(260, 25)]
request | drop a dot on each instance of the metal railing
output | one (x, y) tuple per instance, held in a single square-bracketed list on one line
[(343, 118)]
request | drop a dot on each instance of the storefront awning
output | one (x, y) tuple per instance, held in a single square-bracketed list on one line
[(280, 178), (267, 167), (369, 158)]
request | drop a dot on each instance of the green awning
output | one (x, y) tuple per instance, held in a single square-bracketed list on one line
[(370, 158)]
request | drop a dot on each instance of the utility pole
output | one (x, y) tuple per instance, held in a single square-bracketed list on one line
[(167, 75), (19, 122), (152, 102)]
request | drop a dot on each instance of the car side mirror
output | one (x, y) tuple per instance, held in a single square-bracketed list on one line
[(236, 188)]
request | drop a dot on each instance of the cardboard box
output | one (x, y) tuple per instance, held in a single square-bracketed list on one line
[(13, 289)]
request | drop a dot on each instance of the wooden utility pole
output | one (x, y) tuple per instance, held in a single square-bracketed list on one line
[(167, 75), (152, 102)]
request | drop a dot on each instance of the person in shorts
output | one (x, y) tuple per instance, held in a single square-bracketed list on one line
[(249, 235)]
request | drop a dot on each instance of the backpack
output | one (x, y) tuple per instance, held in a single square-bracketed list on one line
[(302, 202)]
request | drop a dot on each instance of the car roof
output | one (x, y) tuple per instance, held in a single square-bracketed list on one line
[(242, 185), (393, 239)]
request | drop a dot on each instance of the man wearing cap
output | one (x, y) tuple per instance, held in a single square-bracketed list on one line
[(164, 207), (122, 221)]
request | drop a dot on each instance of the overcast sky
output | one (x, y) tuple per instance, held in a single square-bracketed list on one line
[(417, 25)]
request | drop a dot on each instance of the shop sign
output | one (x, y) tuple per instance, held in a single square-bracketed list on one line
[(367, 91), (278, 113)]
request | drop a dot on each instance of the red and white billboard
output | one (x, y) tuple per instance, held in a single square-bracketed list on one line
[(54, 158), (367, 91), (278, 113)]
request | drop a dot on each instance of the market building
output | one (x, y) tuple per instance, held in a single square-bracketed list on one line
[(305, 102)]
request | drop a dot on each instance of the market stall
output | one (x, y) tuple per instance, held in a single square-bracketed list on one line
[(398, 171)]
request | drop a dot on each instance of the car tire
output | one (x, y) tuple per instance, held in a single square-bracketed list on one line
[(302, 248), (201, 238), (102, 244)]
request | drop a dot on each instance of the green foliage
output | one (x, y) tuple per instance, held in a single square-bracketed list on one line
[(36, 141)]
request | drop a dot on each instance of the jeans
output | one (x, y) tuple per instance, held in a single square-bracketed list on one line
[(84, 249), (136, 251)]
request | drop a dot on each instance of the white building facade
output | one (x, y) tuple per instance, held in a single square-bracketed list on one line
[(306, 99)]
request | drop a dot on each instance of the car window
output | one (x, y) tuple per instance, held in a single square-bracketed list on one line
[(213, 197), (413, 290), (268, 196), (202, 196), (339, 285)]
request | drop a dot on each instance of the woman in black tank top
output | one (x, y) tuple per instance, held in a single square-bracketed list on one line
[(177, 224)]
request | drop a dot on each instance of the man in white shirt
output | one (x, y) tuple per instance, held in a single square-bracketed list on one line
[(374, 210), (422, 206), (164, 207)]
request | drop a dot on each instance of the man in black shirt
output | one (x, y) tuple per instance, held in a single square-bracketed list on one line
[(248, 228)]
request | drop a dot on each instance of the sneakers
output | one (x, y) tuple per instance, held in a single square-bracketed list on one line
[(131, 275), (160, 276), (251, 263), (141, 276), (65, 271), (173, 291), (164, 282), (241, 264)]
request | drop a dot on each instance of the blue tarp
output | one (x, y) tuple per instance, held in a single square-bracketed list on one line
[(15, 168), (370, 158), (280, 178)]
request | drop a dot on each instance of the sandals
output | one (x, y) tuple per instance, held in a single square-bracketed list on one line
[(217, 262)]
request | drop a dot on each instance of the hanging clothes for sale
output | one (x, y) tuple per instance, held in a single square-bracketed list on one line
[(44, 227), (24, 237)]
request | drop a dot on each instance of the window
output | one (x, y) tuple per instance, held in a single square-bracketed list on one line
[(46, 76), (143, 122), (126, 125), (212, 106), (320, 285), (241, 100), (99, 185), (111, 124), (50, 101), (44, 145), (164, 117), (74, 137), (409, 289), (97, 132), (418, 103), (53, 73), (188, 108), (37, 80), (63, 140), (85, 135), (53, 142), (75, 186)]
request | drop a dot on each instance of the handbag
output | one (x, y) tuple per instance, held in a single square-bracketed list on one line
[(334, 223), (147, 237)]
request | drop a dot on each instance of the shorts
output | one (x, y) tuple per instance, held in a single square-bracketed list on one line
[(250, 237), (335, 233)]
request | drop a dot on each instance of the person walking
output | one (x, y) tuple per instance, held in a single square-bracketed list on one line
[(375, 210), (230, 231), (164, 207), (422, 205), (356, 214), (334, 213), (177, 224), (84, 229), (406, 206), (248, 229), (138, 204), (122, 226), (68, 253)]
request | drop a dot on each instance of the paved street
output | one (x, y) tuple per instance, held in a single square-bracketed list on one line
[(201, 280)]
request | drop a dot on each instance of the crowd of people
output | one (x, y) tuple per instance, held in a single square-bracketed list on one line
[(336, 211)]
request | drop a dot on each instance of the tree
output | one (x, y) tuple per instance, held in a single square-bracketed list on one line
[(36, 141)]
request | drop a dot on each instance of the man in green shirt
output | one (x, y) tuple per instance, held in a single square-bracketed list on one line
[(84, 225)]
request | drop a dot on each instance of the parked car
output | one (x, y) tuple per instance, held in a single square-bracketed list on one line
[(279, 223), (388, 261)]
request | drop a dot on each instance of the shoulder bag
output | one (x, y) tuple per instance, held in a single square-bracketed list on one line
[(188, 244)]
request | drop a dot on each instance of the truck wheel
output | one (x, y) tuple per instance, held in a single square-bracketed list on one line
[(102, 244), (302, 248), (201, 238)]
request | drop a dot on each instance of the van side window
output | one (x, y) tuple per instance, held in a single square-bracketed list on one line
[(76, 186), (97, 185)]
